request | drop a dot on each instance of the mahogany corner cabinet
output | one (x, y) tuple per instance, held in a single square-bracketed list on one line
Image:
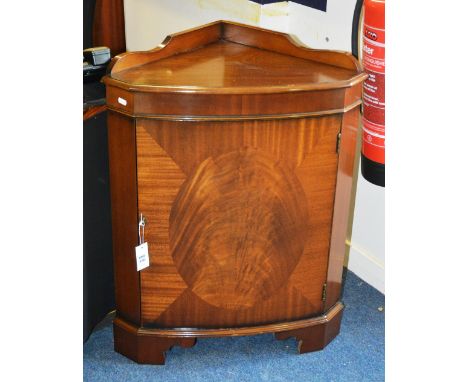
[(236, 144)]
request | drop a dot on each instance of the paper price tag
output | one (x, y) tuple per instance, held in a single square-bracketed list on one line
[(142, 256)]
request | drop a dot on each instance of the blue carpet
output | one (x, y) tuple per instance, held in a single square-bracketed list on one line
[(356, 355)]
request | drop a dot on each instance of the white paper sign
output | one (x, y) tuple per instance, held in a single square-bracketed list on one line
[(142, 256)]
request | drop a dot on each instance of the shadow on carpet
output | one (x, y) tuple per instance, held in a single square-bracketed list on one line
[(357, 354)]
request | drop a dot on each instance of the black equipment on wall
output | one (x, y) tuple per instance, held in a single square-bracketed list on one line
[(98, 273), (355, 34), (317, 4), (98, 268)]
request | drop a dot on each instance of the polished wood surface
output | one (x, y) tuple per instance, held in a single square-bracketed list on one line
[(123, 185), (93, 111), (229, 247), (240, 215), (188, 106), (349, 133), (228, 67), (143, 348), (277, 327), (286, 44), (109, 25), (316, 337), (227, 142), (172, 45), (248, 35), (149, 346)]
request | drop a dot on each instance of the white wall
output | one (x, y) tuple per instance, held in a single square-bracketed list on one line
[(367, 250), (324, 30), (148, 22)]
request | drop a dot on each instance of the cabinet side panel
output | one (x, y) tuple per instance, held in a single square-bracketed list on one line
[(344, 186), (122, 168)]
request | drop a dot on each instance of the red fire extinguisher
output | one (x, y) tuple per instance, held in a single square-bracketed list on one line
[(373, 120)]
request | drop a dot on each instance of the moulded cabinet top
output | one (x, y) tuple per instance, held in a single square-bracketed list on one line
[(226, 57)]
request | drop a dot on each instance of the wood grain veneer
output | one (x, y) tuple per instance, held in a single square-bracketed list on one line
[(123, 185), (236, 199), (233, 68), (109, 25), (237, 145)]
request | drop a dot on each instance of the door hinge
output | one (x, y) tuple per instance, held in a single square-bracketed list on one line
[(324, 292), (338, 141)]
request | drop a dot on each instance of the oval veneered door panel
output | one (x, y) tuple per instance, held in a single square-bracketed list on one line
[(238, 227)]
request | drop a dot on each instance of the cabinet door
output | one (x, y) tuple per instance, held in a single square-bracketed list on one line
[(238, 219)]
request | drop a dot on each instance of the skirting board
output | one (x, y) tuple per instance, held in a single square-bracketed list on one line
[(367, 267)]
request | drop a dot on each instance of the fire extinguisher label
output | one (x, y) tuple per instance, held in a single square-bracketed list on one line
[(373, 141), (373, 121), (374, 98), (374, 49)]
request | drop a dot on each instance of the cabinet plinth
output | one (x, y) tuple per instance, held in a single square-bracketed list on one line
[(237, 144)]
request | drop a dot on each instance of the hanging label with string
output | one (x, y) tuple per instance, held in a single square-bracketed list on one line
[(141, 251)]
